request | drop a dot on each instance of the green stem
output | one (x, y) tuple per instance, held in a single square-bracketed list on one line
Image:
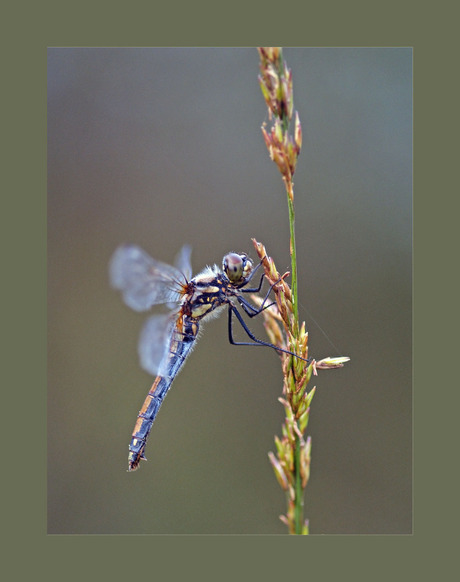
[(298, 490), (295, 308), (285, 122), (298, 511)]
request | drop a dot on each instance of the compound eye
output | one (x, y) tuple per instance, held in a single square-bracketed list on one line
[(233, 266)]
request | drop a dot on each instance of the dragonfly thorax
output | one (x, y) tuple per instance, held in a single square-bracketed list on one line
[(237, 268)]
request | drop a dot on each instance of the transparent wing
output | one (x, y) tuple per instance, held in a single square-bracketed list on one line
[(182, 261), (142, 280), (183, 264), (154, 342)]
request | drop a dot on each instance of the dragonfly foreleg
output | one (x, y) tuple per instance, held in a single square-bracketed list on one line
[(254, 289), (253, 272)]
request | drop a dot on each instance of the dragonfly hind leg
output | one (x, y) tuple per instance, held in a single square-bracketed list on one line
[(256, 342)]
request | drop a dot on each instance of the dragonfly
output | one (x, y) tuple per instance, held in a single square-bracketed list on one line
[(167, 339)]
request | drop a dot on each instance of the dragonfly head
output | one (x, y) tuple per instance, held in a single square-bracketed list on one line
[(237, 268)]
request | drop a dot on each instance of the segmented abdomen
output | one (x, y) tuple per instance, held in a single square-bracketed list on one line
[(180, 346)]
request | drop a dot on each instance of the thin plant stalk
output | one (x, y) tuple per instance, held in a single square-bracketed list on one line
[(291, 463), (295, 308)]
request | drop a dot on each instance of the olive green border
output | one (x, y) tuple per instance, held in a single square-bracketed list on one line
[(30, 27)]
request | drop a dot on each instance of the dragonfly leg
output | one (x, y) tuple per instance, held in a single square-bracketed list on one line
[(256, 342), (253, 289), (254, 271), (250, 309)]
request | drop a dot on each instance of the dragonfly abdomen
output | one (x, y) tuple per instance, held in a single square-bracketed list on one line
[(145, 420), (179, 350)]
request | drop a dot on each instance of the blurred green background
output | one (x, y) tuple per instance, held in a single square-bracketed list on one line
[(162, 146)]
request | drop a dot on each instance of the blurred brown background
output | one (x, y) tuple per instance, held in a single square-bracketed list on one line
[(163, 146)]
